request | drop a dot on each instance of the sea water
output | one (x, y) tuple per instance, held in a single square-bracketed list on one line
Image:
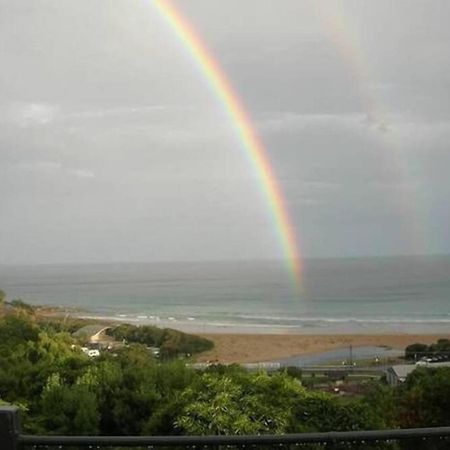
[(355, 295)]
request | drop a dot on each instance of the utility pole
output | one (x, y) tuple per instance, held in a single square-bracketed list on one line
[(351, 355)]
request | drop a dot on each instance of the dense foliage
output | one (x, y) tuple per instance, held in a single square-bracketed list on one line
[(62, 391), (424, 400), (417, 351), (170, 342)]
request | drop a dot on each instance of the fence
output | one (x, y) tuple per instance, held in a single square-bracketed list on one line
[(11, 438)]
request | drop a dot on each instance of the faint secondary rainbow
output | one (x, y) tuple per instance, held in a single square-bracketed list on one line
[(251, 143), (338, 28)]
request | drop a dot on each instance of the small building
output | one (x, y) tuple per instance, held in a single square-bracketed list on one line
[(94, 334), (397, 374)]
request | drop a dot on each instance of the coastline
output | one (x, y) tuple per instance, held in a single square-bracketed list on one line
[(245, 343), (308, 327)]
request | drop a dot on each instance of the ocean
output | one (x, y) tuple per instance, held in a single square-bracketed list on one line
[(340, 295)]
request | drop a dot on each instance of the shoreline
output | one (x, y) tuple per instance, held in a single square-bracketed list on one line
[(251, 348), (251, 343), (310, 327)]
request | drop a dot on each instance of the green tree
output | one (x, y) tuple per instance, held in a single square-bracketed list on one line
[(441, 346), (16, 331), (424, 399), (416, 351), (244, 404), (318, 411), (172, 343), (69, 409), (382, 401), (127, 393), (170, 380)]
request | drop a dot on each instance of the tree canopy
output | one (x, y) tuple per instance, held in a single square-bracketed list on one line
[(62, 391)]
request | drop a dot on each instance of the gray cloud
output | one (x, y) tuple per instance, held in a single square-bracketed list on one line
[(114, 147)]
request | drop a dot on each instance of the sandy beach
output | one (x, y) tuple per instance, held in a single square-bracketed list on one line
[(240, 348), (244, 345)]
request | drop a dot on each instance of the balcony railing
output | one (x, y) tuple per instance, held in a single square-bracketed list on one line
[(11, 438)]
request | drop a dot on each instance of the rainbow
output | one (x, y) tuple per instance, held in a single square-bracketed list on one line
[(238, 116)]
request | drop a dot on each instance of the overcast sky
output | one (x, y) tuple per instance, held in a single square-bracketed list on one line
[(114, 148)]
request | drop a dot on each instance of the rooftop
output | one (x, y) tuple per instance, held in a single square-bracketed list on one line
[(90, 330)]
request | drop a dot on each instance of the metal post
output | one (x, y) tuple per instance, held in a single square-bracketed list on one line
[(9, 428)]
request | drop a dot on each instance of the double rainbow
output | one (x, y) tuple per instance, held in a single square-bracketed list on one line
[(240, 119)]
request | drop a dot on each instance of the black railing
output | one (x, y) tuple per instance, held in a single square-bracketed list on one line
[(11, 438)]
